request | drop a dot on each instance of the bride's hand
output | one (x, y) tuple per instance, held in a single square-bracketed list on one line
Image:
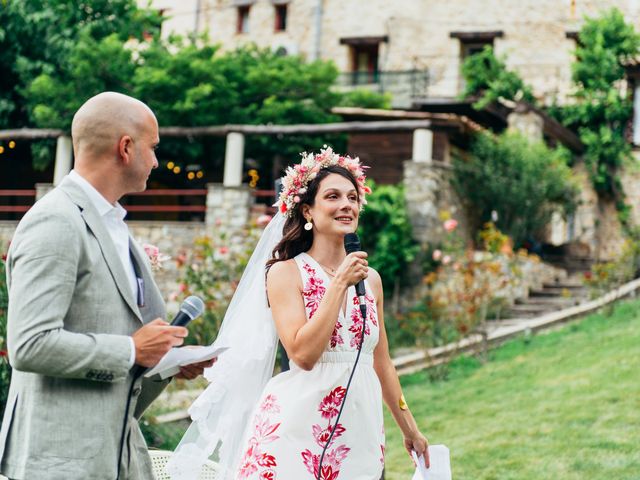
[(418, 443), (353, 268)]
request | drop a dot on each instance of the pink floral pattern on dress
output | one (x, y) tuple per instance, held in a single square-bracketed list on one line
[(255, 460), (356, 320), (328, 408), (313, 292)]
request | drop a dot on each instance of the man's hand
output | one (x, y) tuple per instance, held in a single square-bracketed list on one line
[(155, 339), (194, 370)]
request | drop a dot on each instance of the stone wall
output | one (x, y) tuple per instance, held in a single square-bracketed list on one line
[(534, 33), (172, 238), (429, 193)]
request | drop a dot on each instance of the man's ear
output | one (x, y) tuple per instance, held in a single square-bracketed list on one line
[(125, 149)]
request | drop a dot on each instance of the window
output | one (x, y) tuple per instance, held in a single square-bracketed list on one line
[(364, 63), (243, 19), (473, 42), (364, 58), (281, 18)]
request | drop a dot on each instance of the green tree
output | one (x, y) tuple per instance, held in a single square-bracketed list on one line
[(523, 181), (37, 37), (42, 43), (386, 235), (601, 107), (486, 76)]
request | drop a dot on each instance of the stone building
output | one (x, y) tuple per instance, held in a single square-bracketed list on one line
[(411, 48)]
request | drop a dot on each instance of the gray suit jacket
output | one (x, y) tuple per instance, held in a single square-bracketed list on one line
[(73, 399)]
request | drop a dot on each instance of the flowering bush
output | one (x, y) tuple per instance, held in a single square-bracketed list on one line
[(604, 276), (212, 271), (464, 286), (5, 369)]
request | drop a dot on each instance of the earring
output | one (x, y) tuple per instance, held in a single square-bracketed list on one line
[(308, 226)]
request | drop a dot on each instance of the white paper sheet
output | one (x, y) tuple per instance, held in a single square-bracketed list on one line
[(175, 358), (439, 469)]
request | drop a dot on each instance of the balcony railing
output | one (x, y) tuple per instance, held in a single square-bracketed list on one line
[(403, 85)]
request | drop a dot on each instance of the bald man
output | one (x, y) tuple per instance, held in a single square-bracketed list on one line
[(84, 312)]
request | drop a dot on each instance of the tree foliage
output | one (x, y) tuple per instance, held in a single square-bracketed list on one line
[(38, 37), (601, 107), (60, 56), (386, 234), (486, 76), (523, 181)]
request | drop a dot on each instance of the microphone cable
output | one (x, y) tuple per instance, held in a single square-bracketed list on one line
[(363, 311)]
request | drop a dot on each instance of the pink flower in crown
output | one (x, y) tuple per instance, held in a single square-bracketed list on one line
[(298, 177)]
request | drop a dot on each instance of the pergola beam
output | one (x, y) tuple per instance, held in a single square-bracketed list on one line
[(222, 130)]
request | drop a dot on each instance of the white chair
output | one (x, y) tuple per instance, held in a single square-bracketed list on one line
[(159, 459)]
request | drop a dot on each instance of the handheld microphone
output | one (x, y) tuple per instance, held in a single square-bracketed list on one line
[(190, 309), (352, 244)]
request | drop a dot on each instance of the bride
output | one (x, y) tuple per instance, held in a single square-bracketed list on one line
[(322, 419)]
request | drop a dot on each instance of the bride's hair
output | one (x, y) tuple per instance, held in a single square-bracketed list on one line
[(295, 239)]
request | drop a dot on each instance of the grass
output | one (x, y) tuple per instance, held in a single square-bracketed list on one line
[(563, 405)]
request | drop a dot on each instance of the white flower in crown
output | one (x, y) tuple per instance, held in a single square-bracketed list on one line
[(297, 177)]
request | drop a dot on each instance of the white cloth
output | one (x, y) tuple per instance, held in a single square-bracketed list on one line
[(113, 218), (221, 413)]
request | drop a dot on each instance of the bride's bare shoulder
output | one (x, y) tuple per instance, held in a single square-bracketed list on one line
[(282, 270)]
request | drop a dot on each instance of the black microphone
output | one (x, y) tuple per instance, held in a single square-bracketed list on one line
[(352, 244), (191, 308)]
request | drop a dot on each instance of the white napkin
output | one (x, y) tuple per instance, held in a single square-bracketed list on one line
[(439, 469)]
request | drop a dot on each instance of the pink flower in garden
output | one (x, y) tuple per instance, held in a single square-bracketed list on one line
[(437, 255), (155, 257), (183, 287), (223, 250), (263, 220), (446, 259), (151, 250), (450, 225)]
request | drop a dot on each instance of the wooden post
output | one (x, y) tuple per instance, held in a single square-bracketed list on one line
[(422, 145), (233, 159), (64, 156)]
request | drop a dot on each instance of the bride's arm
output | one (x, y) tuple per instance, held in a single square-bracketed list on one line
[(305, 341), (391, 390)]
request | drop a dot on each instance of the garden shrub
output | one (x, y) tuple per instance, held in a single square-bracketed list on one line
[(519, 181)]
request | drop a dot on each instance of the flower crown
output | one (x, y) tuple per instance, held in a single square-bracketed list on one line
[(297, 178)]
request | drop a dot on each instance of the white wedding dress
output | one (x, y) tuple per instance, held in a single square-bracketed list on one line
[(297, 409)]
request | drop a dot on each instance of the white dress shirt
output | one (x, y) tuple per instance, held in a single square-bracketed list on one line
[(113, 218)]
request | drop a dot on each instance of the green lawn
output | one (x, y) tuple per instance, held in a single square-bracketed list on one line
[(565, 405)]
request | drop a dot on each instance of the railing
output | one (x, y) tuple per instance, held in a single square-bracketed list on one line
[(404, 84), (9, 210), (133, 206), (136, 203)]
